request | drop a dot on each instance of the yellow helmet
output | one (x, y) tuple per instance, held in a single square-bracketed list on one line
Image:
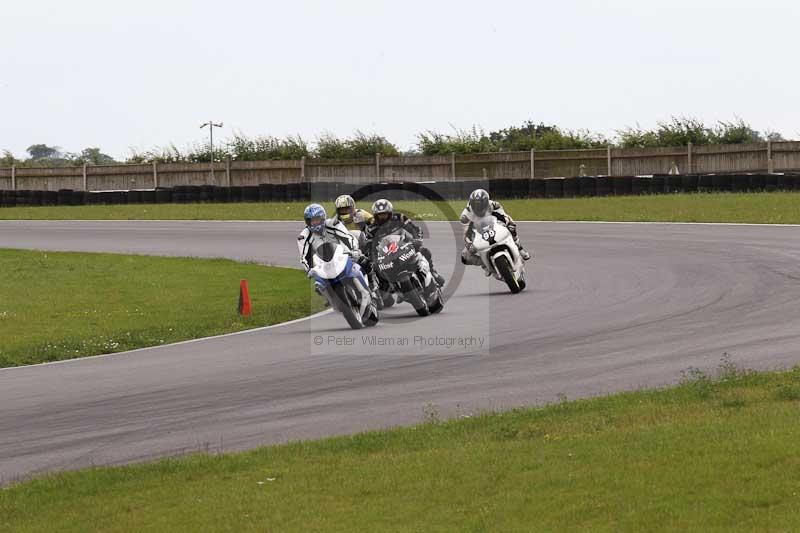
[(345, 208)]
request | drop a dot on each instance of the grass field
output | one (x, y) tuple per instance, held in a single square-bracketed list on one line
[(759, 208), (63, 305), (712, 454)]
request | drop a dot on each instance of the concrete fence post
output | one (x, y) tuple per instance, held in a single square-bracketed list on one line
[(377, 167), (608, 157), (452, 166), (770, 166), (689, 157), (155, 175), (533, 163), (227, 170), (13, 177), (303, 168), (84, 178)]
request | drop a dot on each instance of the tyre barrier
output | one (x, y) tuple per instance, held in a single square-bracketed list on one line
[(740, 183), (207, 192), (37, 198), (278, 193), (656, 184), (250, 193), (64, 197), (786, 183), (264, 193), (690, 183), (570, 186), (605, 187), (554, 188), (500, 188), (505, 188), (721, 182), (148, 197), (164, 196), (673, 184), (587, 186), (520, 188), (622, 185), (770, 183), (705, 183), (640, 185), (22, 198)]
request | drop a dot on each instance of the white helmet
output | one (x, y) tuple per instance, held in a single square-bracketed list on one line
[(479, 202), (382, 210)]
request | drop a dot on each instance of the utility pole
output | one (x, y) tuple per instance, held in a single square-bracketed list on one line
[(211, 125)]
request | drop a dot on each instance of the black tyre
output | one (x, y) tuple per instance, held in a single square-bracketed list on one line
[(372, 317), (503, 266), (412, 295), (438, 303), (388, 299), (344, 304)]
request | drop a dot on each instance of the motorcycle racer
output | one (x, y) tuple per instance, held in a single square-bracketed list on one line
[(352, 217), (478, 206), (320, 230), (386, 222)]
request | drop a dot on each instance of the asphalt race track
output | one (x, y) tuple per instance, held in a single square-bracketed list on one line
[(609, 307)]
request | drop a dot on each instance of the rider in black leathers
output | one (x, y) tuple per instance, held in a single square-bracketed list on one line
[(386, 222)]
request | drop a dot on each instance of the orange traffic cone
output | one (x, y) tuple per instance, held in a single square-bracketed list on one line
[(244, 299)]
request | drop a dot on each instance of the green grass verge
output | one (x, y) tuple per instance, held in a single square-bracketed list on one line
[(63, 305), (709, 455), (758, 208)]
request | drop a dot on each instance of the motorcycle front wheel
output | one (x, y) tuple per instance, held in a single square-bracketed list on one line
[(348, 308), (412, 294), (504, 268)]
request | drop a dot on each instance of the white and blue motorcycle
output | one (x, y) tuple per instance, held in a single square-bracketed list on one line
[(340, 280)]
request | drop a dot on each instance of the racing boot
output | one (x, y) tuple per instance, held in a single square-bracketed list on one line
[(318, 290), (469, 258), (427, 255), (523, 253)]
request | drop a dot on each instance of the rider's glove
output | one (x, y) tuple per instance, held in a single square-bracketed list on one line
[(471, 248), (356, 255), (512, 227)]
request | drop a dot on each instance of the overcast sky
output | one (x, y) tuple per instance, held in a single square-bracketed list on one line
[(143, 74)]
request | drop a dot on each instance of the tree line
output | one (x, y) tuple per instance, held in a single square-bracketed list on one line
[(678, 131)]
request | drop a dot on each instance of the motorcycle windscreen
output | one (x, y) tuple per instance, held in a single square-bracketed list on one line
[(389, 245), (484, 224), (335, 267)]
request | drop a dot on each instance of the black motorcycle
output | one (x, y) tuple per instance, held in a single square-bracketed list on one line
[(403, 270)]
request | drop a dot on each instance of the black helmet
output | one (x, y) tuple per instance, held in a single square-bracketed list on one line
[(479, 202), (382, 211)]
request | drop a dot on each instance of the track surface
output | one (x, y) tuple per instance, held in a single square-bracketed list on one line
[(609, 307)]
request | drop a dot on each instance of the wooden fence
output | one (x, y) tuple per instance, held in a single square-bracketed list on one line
[(771, 157)]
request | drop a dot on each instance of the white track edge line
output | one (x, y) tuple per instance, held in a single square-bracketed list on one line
[(189, 341)]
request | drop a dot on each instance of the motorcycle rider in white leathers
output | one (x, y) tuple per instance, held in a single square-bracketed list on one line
[(479, 206), (320, 230)]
